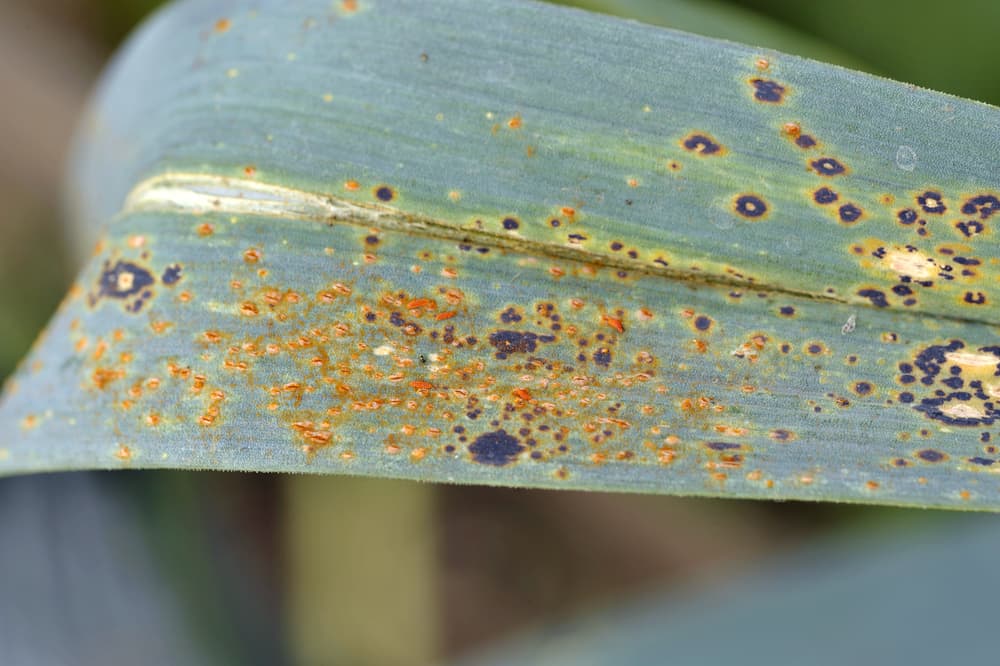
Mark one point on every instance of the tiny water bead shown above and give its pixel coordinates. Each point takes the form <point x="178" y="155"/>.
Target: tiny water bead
<point x="906" y="158"/>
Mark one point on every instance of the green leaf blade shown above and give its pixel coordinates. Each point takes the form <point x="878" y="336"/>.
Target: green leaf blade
<point x="477" y="254"/>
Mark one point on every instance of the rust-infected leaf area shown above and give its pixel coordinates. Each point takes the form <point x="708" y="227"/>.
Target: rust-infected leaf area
<point x="325" y="349"/>
<point x="706" y="277"/>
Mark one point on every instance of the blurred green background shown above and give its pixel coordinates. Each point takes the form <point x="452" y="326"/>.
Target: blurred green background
<point x="273" y="569"/>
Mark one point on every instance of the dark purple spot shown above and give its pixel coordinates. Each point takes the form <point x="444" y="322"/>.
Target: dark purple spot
<point x="787" y="311"/>
<point x="171" y="275"/>
<point x="825" y="195"/>
<point x="749" y="205"/>
<point x="805" y="141"/>
<point x="699" y="143"/>
<point x="932" y="202"/>
<point x="602" y="357"/>
<point x="930" y="455"/>
<point x="953" y="383"/>
<point x="849" y="213"/>
<point x="373" y="240"/>
<point x="827" y="166"/>
<point x="703" y="323"/>
<point x="510" y="316"/>
<point x="385" y="193"/>
<point x="907" y="216"/>
<point x="495" y="448"/>
<point x="510" y="224"/>
<point x="862" y="388"/>
<point x="986" y="462"/>
<point x="984" y="204"/>
<point x="767" y="91"/>
<point x="721" y="446"/>
<point x="906" y="397"/>
<point x="616" y="245"/>
<point x="123" y="280"/>
<point x="970" y="228"/>
<point x="515" y="342"/>
<point x="876" y="297"/>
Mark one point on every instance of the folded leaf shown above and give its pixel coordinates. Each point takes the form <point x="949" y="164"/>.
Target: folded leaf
<point x="523" y="245"/>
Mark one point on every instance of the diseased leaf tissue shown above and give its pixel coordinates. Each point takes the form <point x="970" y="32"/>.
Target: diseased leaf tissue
<point x="523" y="245"/>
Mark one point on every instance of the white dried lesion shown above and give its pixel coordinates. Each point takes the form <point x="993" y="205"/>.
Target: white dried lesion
<point x="911" y="263"/>
<point x="963" y="410"/>
<point x="972" y="359"/>
<point x="124" y="281"/>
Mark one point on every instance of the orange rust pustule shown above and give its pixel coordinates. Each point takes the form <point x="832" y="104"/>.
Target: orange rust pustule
<point x="102" y="377"/>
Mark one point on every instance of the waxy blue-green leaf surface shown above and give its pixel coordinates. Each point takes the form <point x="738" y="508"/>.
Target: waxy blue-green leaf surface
<point x="523" y="245"/>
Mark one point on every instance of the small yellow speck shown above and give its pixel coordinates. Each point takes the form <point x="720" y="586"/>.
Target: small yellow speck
<point x="328" y="97"/>
<point x="647" y="108"/>
<point x="439" y="117"/>
<point x="232" y="72"/>
<point x="4" y="454"/>
<point x="454" y="195"/>
<point x="292" y="57"/>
